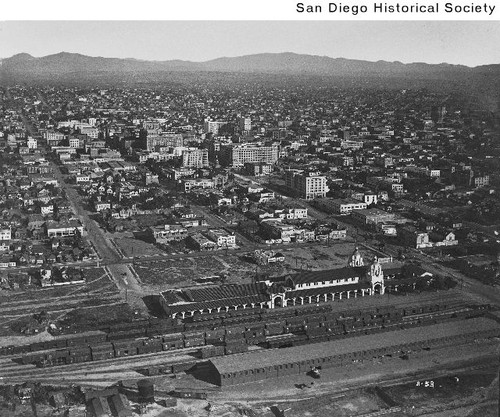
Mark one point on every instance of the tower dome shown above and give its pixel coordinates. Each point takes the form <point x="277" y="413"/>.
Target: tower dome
<point x="356" y="259"/>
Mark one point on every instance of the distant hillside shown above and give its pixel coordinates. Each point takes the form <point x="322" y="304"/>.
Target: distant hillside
<point x="73" y="68"/>
<point x="65" y="63"/>
<point x="323" y="65"/>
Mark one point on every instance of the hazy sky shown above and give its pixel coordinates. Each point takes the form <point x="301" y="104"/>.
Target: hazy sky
<point x="469" y="43"/>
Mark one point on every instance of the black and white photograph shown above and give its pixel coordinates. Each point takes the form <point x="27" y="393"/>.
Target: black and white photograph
<point x="261" y="218"/>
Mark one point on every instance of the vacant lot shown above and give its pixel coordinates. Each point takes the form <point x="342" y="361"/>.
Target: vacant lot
<point x="96" y="279"/>
<point x="238" y="268"/>
<point x="19" y="308"/>
<point x="136" y="248"/>
<point x="436" y="392"/>
<point x="178" y="272"/>
<point x="82" y="319"/>
<point x="359" y="403"/>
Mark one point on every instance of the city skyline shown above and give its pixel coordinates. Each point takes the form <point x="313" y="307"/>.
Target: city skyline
<point x="411" y="41"/>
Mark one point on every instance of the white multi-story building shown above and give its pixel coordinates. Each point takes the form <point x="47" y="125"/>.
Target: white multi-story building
<point x="309" y="185"/>
<point x="238" y="155"/>
<point x="32" y="143"/>
<point x="195" y="158"/>
<point x="373" y="216"/>
<point x="368" y="198"/>
<point x="291" y="213"/>
<point x="61" y="229"/>
<point x="54" y="138"/>
<point x="74" y="143"/>
<point x="222" y="238"/>
<point x="90" y="131"/>
<point x="79" y="178"/>
<point x="190" y="184"/>
<point x="351" y="144"/>
<point x="5" y="234"/>
<point x="341" y="206"/>
<point x="212" y="126"/>
<point x="168" y="233"/>
<point x="245" y="124"/>
<point x="165" y="140"/>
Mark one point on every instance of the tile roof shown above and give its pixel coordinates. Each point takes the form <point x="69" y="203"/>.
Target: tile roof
<point x="176" y="308"/>
<point x="306" y="277"/>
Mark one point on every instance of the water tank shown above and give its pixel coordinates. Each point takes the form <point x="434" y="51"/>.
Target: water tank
<point x="146" y="391"/>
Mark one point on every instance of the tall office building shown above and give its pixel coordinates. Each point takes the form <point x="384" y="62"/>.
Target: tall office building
<point x="195" y="158"/>
<point x="172" y="140"/>
<point x="309" y="185"/>
<point x="238" y="155"/>
<point x="245" y="124"/>
<point x="211" y="126"/>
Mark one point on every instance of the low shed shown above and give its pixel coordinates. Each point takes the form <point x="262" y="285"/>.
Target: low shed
<point x="259" y="365"/>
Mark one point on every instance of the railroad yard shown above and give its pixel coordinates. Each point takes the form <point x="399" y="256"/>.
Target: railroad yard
<point x="175" y="356"/>
<point x="145" y="271"/>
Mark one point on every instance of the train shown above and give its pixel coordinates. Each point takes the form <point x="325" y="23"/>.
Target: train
<point x="225" y="335"/>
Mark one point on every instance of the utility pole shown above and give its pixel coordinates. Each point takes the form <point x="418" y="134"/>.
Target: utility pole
<point x="125" y="280"/>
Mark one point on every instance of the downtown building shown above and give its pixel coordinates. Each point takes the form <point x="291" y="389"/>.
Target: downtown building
<point x="54" y="138"/>
<point x="239" y="155"/>
<point x="245" y="124"/>
<point x="195" y="158"/>
<point x="213" y="126"/>
<point x="168" y="140"/>
<point x="308" y="185"/>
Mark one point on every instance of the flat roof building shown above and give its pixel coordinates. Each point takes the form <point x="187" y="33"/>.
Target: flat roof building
<point x="308" y="185"/>
<point x="373" y="216"/>
<point x="238" y="155"/>
<point x="259" y="365"/>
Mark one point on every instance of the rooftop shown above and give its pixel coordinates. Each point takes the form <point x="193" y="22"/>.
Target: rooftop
<point x="328" y="275"/>
<point x="262" y="359"/>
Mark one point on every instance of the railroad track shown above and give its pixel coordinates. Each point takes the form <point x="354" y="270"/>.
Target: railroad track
<point x="24" y="372"/>
<point x="72" y="299"/>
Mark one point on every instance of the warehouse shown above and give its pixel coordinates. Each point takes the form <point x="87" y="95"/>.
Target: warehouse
<point x="260" y="365"/>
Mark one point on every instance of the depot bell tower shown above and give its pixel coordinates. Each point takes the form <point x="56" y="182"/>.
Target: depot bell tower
<point x="376" y="275"/>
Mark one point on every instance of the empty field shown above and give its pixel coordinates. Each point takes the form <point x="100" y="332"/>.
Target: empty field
<point x="177" y="272"/>
<point x="135" y="248"/>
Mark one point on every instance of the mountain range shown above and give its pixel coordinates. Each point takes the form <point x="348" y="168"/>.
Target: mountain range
<point x="62" y="64"/>
<point x="481" y="83"/>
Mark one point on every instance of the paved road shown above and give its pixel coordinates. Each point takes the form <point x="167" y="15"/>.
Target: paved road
<point x="102" y="245"/>
<point x="95" y="234"/>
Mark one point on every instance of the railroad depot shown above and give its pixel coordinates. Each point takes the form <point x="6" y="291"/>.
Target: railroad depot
<point x="272" y="363"/>
<point x="305" y="287"/>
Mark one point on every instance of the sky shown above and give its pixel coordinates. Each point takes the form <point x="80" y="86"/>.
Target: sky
<point x="469" y="43"/>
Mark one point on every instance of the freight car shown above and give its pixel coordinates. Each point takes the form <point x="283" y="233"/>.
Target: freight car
<point x="190" y="393"/>
<point x="305" y="314"/>
<point x="290" y="331"/>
